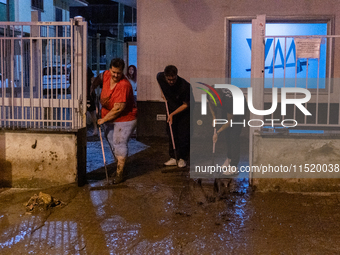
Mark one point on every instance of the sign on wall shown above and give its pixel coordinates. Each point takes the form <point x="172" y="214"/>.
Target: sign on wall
<point x="307" y="48"/>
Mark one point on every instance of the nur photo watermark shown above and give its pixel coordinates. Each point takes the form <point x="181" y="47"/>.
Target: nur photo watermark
<point x="228" y="116"/>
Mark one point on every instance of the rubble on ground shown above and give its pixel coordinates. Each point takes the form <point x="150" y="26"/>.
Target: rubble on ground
<point x="42" y="202"/>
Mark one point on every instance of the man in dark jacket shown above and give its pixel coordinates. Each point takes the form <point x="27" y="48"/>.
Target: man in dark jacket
<point x="232" y="130"/>
<point x="177" y="93"/>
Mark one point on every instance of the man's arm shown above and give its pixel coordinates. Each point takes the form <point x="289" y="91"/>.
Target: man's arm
<point x="211" y="110"/>
<point x="98" y="81"/>
<point x="186" y="100"/>
<point x="224" y="126"/>
<point x="113" y="113"/>
<point x="160" y="79"/>
<point x="178" y="110"/>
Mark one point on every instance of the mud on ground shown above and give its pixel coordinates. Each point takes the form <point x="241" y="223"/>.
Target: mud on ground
<point x="168" y="213"/>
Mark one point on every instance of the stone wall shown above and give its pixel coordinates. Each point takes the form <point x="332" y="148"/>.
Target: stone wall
<point x="42" y="158"/>
<point x="296" y="162"/>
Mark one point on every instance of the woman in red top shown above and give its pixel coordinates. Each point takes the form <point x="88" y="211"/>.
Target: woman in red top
<point x="119" y="111"/>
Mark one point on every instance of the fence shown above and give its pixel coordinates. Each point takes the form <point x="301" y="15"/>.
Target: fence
<point x="43" y="74"/>
<point x="98" y="59"/>
<point x="311" y="72"/>
<point x="304" y="62"/>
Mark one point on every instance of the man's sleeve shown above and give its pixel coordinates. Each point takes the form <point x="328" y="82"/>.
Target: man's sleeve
<point x="160" y="79"/>
<point x="192" y="99"/>
<point x="188" y="92"/>
<point x="229" y="103"/>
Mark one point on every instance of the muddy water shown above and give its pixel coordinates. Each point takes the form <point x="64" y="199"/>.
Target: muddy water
<point x="171" y="214"/>
<point x="168" y="213"/>
<point x="151" y="213"/>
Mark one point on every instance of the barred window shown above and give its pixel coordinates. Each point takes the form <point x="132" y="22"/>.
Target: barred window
<point x="38" y="4"/>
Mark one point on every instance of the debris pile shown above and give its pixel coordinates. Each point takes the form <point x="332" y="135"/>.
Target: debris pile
<point x="42" y="202"/>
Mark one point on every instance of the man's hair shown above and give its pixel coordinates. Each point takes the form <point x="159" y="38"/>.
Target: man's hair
<point x="117" y="63"/>
<point x="170" y="70"/>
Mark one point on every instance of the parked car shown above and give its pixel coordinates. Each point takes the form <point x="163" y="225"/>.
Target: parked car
<point x="56" y="79"/>
<point x="7" y="85"/>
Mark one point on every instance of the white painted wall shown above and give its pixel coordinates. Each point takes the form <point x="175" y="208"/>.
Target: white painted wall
<point x="23" y="10"/>
<point x="49" y="11"/>
<point x="191" y="35"/>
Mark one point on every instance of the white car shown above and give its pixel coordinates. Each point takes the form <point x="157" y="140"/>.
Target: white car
<point x="6" y="83"/>
<point x="56" y="79"/>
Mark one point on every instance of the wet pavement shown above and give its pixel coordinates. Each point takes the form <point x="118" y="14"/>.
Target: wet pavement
<point x="168" y="213"/>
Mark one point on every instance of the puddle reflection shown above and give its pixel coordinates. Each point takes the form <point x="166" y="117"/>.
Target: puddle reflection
<point x="238" y="208"/>
<point x="133" y="226"/>
<point x="60" y="237"/>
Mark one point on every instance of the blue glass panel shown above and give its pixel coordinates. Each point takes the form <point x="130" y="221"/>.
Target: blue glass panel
<point x="241" y="54"/>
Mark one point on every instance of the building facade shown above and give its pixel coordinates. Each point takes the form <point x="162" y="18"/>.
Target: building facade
<point x="49" y="10"/>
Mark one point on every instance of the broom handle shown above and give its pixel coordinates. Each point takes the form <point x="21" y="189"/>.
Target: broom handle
<point x="101" y="142"/>
<point x="171" y="133"/>
<point x="214" y="143"/>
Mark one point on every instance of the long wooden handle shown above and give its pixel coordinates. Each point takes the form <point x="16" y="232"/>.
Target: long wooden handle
<point x="101" y="142"/>
<point x="171" y="133"/>
<point x="214" y="143"/>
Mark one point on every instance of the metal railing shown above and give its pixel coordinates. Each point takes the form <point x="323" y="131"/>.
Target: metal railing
<point x="287" y="69"/>
<point x="324" y="99"/>
<point x="43" y="74"/>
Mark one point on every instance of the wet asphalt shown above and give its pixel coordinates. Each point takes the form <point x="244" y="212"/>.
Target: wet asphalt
<point x="154" y="212"/>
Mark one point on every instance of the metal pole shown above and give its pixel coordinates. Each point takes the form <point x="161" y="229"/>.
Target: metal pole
<point x="257" y="75"/>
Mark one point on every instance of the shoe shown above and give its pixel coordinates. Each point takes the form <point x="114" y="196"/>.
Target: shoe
<point x="120" y="169"/>
<point x="95" y="133"/>
<point x="134" y="134"/>
<point x="170" y="162"/>
<point x="119" y="178"/>
<point x="231" y="171"/>
<point x="226" y="163"/>
<point x="181" y="163"/>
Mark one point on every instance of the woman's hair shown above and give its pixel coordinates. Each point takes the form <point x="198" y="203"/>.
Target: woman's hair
<point x="134" y="75"/>
<point x="117" y="63"/>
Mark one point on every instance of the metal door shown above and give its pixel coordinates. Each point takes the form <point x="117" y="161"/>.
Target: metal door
<point x="43" y="74"/>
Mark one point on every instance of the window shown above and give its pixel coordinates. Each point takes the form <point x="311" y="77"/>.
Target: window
<point x="130" y="26"/>
<point x="38" y="4"/>
<point x="59" y="17"/>
<point x="280" y="52"/>
<point x="132" y="52"/>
